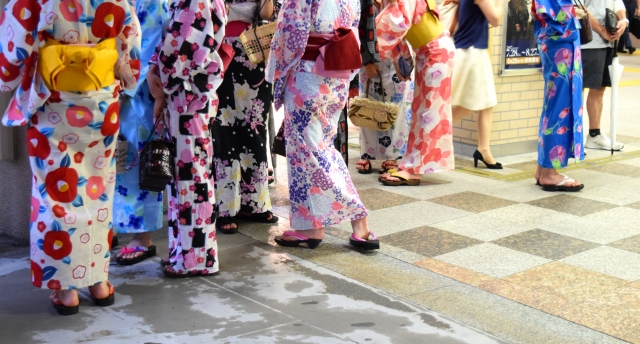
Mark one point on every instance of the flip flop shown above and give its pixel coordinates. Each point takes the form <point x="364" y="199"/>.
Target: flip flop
<point x="61" y="308"/>
<point x="265" y="217"/>
<point x="226" y="220"/>
<point x="106" y="301"/>
<point x="148" y="252"/>
<point x="177" y="275"/>
<point x="365" y="244"/>
<point x="402" y="181"/>
<point x="364" y="170"/>
<point x="561" y="186"/>
<point x="311" y="243"/>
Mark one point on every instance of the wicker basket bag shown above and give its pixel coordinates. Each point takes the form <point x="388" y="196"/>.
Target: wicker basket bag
<point x="369" y="113"/>
<point x="122" y="149"/>
<point x="257" y="42"/>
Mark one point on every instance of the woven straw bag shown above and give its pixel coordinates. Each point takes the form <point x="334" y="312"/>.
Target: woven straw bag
<point x="257" y="42"/>
<point x="122" y="148"/>
<point x="369" y="113"/>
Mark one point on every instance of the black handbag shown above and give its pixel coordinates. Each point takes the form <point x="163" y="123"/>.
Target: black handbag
<point x="586" y="34"/>
<point x="278" y="146"/>
<point x="634" y="27"/>
<point x="611" y="21"/>
<point x="156" y="161"/>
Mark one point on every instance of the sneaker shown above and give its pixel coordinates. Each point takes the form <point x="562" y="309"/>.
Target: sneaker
<point x="602" y="142"/>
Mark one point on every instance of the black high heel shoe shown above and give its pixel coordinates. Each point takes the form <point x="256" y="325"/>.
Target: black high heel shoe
<point x="478" y="156"/>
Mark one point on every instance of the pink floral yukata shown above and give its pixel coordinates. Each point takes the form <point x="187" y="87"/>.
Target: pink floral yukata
<point x="71" y="136"/>
<point x="191" y="71"/>
<point x="320" y="189"/>
<point x="430" y="144"/>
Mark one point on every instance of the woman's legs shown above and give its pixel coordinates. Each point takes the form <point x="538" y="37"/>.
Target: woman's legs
<point x="485" y="119"/>
<point x="139" y="239"/>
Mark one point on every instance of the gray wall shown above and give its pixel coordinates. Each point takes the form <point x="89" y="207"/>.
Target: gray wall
<point x="15" y="180"/>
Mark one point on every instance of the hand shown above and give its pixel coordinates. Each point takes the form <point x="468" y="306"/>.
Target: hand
<point x="518" y="27"/>
<point x="158" y="108"/>
<point x="607" y="36"/>
<point x="622" y="25"/>
<point x="371" y="70"/>
<point x="155" y="83"/>
<point x="398" y="74"/>
<point x="637" y="14"/>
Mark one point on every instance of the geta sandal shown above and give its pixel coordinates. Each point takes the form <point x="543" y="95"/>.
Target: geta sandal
<point x="402" y="180"/>
<point x="562" y="186"/>
<point x="264" y="217"/>
<point x="365" y="244"/>
<point x="173" y="274"/>
<point x="364" y="163"/>
<point x="60" y="307"/>
<point x="311" y="243"/>
<point x="388" y="167"/>
<point x="106" y="301"/>
<point x="147" y="252"/>
<point x="226" y="220"/>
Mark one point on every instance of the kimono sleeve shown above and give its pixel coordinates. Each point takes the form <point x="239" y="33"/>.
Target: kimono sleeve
<point x="129" y="42"/>
<point x="555" y="16"/>
<point x="392" y="25"/>
<point x="19" y="41"/>
<point x="187" y="54"/>
<point x="367" y="30"/>
<point x="289" y="42"/>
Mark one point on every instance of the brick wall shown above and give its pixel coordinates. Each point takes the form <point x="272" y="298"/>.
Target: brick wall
<point x="517" y="115"/>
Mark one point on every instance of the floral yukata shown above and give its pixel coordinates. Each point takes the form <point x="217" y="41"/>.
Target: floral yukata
<point x="239" y="131"/>
<point x="320" y="189"/>
<point x="71" y="136"/>
<point x="135" y="210"/>
<point x="191" y="71"/>
<point x="561" y="133"/>
<point x="430" y="142"/>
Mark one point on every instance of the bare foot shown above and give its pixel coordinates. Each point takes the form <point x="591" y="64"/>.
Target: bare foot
<point x="100" y="290"/>
<point x="68" y="298"/>
<point x="550" y="176"/>
<point x="316" y="233"/>
<point x="360" y="228"/>
<point x="401" y="173"/>
<point x="363" y="165"/>
<point x="487" y="156"/>
<point x="139" y="239"/>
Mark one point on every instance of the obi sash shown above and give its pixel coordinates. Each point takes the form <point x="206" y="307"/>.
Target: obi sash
<point x="235" y="28"/>
<point x="78" y="68"/>
<point x="337" y="55"/>
<point x="428" y="29"/>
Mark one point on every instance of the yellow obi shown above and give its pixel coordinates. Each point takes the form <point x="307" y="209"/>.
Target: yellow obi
<point x="77" y="68"/>
<point x="428" y="29"/>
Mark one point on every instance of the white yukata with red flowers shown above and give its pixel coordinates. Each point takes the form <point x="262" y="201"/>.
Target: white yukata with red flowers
<point x="71" y="136"/>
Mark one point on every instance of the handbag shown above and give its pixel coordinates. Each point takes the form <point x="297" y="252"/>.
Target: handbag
<point x="122" y="149"/>
<point x="449" y="15"/>
<point x="278" y="146"/>
<point x="256" y="41"/>
<point x="157" y="161"/>
<point x="634" y="27"/>
<point x="610" y="20"/>
<point x="369" y="113"/>
<point x="586" y="34"/>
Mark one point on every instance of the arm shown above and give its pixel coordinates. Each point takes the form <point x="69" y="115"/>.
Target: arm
<point x="367" y="30"/>
<point x="392" y="25"/>
<point x="492" y="10"/>
<point x="266" y="11"/>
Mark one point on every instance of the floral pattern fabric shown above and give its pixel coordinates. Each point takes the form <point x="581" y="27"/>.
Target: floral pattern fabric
<point x="71" y="136"/>
<point x="389" y="144"/>
<point x="561" y="133"/>
<point x="430" y="142"/>
<point x="191" y="71"/>
<point x="240" y="137"/>
<point x="136" y="210"/>
<point x="320" y="189"/>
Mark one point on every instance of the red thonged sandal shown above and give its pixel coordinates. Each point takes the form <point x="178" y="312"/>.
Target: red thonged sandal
<point x="107" y="301"/>
<point x="60" y="307"/>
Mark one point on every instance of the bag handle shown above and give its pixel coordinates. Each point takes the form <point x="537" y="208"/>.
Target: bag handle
<point x="155" y="126"/>
<point x="382" y="87"/>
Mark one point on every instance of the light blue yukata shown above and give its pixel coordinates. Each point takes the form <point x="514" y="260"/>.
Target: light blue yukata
<point x="135" y="210"/>
<point x="561" y="132"/>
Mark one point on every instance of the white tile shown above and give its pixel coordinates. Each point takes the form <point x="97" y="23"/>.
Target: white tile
<point x="622" y="193"/>
<point x="608" y="260"/>
<point x="492" y="260"/>
<point x="528" y="215"/>
<point x="618" y="217"/>
<point x="483" y="227"/>
<point x="592" y="179"/>
<point x="521" y="191"/>
<point x="591" y="228"/>
<point x="407" y="216"/>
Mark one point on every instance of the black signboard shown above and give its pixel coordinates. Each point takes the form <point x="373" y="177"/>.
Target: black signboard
<point x="519" y="47"/>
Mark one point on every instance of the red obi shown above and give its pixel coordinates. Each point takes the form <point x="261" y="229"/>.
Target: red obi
<point x="336" y="55"/>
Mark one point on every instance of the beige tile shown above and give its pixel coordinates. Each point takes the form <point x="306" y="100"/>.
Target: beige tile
<point x="631" y="244"/>
<point x="618" y="169"/>
<point x="472" y="202"/>
<point x="455" y="272"/>
<point x="545" y="244"/>
<point x="429" y="241"/>
<point x="572" y="205"/>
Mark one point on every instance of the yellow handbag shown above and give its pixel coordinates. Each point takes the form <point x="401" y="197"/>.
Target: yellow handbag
<point x="77" y="68"/>
<point x="428" y="29"/>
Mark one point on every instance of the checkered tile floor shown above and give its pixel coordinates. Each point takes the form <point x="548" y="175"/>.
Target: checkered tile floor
<point x="575" y="256"/>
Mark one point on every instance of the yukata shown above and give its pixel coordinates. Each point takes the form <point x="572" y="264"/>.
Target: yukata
<point x="561" y="133"/>
<point x="239" y="130"/>
<point x="136" y="210"/>
<point x="321" y="192"/>
<point x="191" y="71"/>
<point x="430" y="142"/>
<point x="71" y="136"/>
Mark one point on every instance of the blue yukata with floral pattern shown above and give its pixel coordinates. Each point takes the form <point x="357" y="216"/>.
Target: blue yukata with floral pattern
<point x="135" y="210"/>
<point x="561" y="133"/>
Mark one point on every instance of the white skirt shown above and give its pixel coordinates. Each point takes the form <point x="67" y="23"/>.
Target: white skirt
<point x="472" y="81"/>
